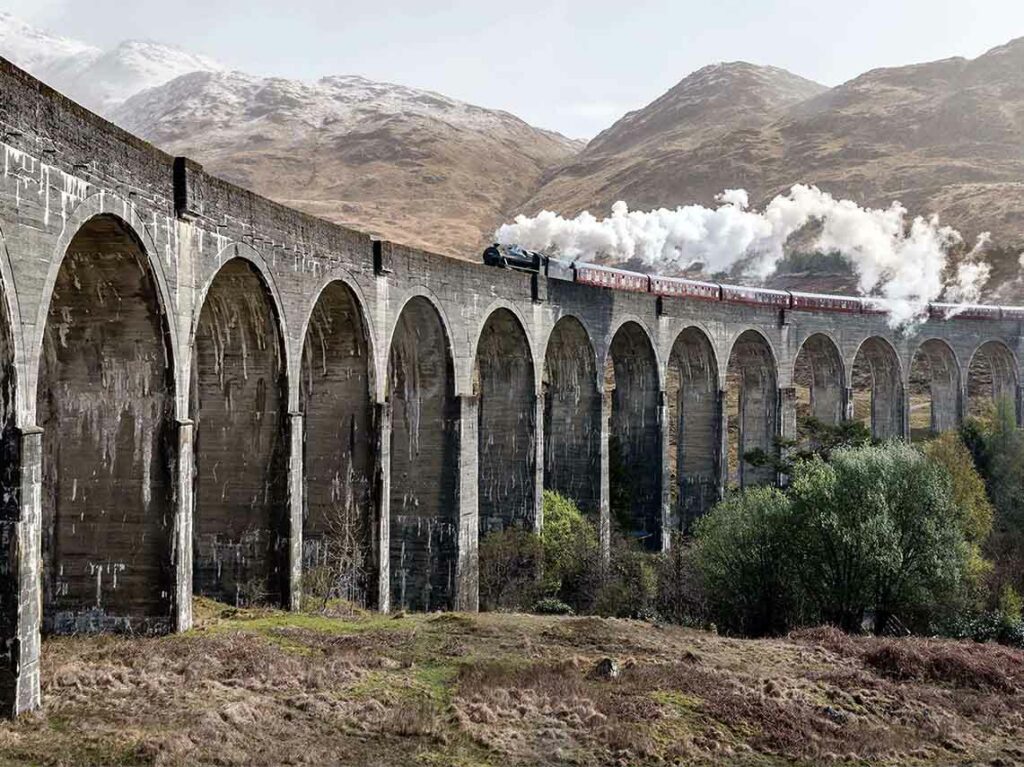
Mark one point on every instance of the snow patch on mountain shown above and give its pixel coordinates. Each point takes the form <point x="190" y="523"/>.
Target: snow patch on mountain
<point x="100" y="80"/>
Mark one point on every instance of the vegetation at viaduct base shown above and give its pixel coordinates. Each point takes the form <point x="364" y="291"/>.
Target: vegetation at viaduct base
<point x="863" y="535"/>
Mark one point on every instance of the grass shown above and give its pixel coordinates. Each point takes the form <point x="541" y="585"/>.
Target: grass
<point x="265" y="687"/>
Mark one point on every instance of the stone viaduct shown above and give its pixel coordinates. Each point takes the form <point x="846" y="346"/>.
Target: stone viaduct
<point x="202" y="392"/>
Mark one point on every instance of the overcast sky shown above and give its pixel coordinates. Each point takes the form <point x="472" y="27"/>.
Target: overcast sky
<point x="572" y="65"/>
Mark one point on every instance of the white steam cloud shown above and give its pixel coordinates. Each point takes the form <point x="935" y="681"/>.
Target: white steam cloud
<point x="905" y="266"/>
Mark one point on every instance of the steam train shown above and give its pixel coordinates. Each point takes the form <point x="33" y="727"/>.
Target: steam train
<point x="521" y="259"/>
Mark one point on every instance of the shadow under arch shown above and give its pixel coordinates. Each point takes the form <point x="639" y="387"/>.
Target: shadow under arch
<point x="423" y="447"/>
<point x="992" y="378"/>
<point x="503" y="382"/>
<point x="819" y="378"/>
<point x="572" y="416"/>
<point x="98" y="205"/>
<point x="935" y="389"/>
<point x="876" y="381"/>
<point x="238" y="401"/>
<point x="634" y="435"/>
<point x="752" y="408"/>
<point x="340" y="526"/>
<point x="694" y="425"/>
<point x="105" y="401"/>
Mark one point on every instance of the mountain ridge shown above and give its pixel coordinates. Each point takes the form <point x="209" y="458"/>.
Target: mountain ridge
<point x="414" y="165"/>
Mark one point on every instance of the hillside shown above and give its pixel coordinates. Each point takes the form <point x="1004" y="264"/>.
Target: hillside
<point x="402" y="163"/>
<point x="944" y="137"/>
<point x="645" y="158"/>
<point x="407" y="164"/>
<point x="269" y="688"/>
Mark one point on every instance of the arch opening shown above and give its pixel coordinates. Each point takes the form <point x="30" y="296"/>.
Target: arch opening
<point x="238" y="402"/>
<point x="340" y="534"/>
<point x="694" y="424"/>
<point x="752" y="409"/>
<point x="819" y="382"/>
<point x="507" y="425"/>
<point x="424" y="461"/>
<point x="878" y="389"/>
<point x="991" y="378"/>
<point x="934" y="390"/>
<point x="634" y="436"/>
<point x="105" y="398"/>
<point x="572" y="416"/>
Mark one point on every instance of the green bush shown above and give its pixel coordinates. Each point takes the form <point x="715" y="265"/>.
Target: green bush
<point x="552" y="606"/>
<point x="510" y="567"/>
<point x="629" y="587"/>
<point x="680" y="596"/>
<point x="877" y="528"/>
<point x="571" y="553"/>
<point x="744" y="551"/>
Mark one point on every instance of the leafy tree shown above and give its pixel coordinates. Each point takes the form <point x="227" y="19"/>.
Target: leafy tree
<point x="510" y="567"/>
<point x="878" y="528"/>
<point x="571" y="552"/>
<point x="976" y="514"/>
<point x="819" y="439"/>
<point x="998" y="449"/>
<point x="949" y="451"/>
<point x="744" y="550"/>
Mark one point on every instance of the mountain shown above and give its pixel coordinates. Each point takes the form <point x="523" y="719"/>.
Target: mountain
<point x="407" y="164"/>
<point x="98" y="79"/>
<point x="402" y="163"/>
<point x="643" y="158"/>
<point x="944" y="137"/>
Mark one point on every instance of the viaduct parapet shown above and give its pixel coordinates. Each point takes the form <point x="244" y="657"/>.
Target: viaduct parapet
<point x="205" y="392"/>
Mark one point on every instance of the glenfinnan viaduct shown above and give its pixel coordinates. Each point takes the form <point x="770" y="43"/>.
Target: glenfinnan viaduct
<point x="201" y="389"/>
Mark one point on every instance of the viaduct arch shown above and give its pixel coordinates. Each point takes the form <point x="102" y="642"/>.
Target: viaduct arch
<point x="290" y="405"/>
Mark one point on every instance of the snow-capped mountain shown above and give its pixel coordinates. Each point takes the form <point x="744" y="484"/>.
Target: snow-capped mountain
<point x="400" y="162"/>
<point x="403" y="163"/>
<point x="98" y="79"/>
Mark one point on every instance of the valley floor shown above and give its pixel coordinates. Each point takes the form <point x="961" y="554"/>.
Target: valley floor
<point x="266" y="688"/>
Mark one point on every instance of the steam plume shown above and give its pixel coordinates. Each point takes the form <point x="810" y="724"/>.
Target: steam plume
<point x="905" y="266"/>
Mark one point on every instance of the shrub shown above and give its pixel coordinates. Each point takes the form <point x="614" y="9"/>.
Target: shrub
<point x="680" y="597"/>
<point x="745" y="556"/>
<point x="629" y="586"/>
<point x="510" y="567"/>
<point x="552" y="606"/>
<point x="949" y="451"/>
<point x="877" y="528"/>
<point x="571" y="553"/>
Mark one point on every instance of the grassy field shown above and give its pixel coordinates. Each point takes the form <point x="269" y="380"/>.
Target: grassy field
<point x="267" y="687"/>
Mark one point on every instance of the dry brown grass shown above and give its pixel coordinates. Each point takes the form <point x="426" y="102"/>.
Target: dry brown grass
<point x="263" y="687"/>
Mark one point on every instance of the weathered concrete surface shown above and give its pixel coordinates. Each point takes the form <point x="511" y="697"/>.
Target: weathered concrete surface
<point x="105" y="404"/>
<point x="424" y="461"/>
<point x="339" y="523"/>
<point x="240" y="528"/>
<point x="275" y="401"/>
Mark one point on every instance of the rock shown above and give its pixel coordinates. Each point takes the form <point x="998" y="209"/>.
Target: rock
<point x="607" y="668"/>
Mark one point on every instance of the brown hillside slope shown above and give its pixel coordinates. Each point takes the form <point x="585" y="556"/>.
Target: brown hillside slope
<point x="271" y="688"/>
<point x="402" y="163"/>
<point x="944" y="137"/>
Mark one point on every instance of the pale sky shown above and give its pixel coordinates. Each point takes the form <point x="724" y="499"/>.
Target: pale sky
<point x="564" y="64"/>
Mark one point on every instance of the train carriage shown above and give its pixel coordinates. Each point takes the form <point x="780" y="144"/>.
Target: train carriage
<point x="678" y="287"/>
<point x="820" y="302"/>
<point x="939" y="311"/>
<point x="607" y="277"/>
<point x="779" y="299"/>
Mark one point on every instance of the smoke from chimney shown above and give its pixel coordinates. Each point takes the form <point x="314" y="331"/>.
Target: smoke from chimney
<point x="905" y="266"/>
